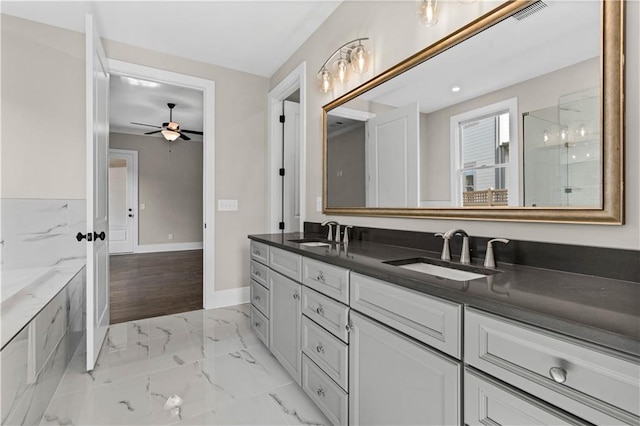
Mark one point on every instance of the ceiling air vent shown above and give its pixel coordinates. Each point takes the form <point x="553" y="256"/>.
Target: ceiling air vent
<point x="529" y="10"/>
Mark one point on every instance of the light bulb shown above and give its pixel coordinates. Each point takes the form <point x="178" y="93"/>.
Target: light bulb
<point x="325" y="82"/>
<point x="359" y="58"/>
<point x="341" y="70"/>
<point x="545" y="136"/>
<point x="563" y="134"/>
<point x="427" y="11"/>
<point x="583" y="131"/>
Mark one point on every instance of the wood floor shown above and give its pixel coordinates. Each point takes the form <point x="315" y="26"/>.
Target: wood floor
<point x="153" y="284"/>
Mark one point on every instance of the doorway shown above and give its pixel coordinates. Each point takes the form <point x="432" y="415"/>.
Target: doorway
<point x="169" y="254"/>
<point x="123" y="201"/>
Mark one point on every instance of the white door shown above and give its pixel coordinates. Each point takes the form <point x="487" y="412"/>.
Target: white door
<point x="292" y="166"/>
<point x="392" y="158"/>
<point x="97" y="88"/>
<point x="394" y="380"/>
<point x="122" y="200"/>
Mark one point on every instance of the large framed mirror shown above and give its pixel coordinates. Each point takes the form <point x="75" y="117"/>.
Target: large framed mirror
<point x="517" y="116"/>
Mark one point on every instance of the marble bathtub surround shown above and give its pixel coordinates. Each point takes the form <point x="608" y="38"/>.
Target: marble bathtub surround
<point x="611" y="263"/>
<point x="33" y="362"/>
<point x="199" y="367"/>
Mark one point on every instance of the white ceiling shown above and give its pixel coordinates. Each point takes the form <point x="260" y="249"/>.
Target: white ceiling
<point x="251" y="36"/>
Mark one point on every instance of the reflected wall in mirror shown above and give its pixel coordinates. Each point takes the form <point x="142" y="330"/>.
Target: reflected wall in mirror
<point x="504" y="119"/>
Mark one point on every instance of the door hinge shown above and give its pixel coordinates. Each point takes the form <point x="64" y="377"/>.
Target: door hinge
<point x="281" y="171"/>
<point x="281" y="225"/>
<point x="282" y="118"/>
<point x="205" y="226"/>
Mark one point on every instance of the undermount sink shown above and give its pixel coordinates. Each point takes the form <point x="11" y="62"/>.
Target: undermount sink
<point x="312" y="242"/>
<point x="442" y="269"/>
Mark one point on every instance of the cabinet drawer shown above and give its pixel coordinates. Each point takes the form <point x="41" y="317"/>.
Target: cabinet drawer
<point x="260" y="298"/>
<point x="488" y="402"/>
<point x="328" y="396"/>
<point x="330" y="280"/>
<point x="595" y="385"/>
<point x="433" y="321"/>
<point x="327" y="351"/>
<point x="260" y="252"/>
<point x="259" y="273"/>
<point x="260" y="325"/>
<point x="330" y="314"/>
<point x="285" y="262"/>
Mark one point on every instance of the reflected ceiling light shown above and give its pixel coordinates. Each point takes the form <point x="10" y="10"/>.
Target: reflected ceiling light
<point x="352" y="56"/>
<point x="137" y="82"/>
<point x="427" y="12"/>
<point x="170" y="135"/>
<point x="455" y="89"/>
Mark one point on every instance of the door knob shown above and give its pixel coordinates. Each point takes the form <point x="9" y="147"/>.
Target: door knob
<point x="100" y="236"/>
<point x="80" y="236"/>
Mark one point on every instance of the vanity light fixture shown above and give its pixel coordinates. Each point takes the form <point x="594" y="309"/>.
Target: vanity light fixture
<point x="353" y="56"/>
<point x="427" y="12"/>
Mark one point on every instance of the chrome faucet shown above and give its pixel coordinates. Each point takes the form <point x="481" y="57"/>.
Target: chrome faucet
<point x="446" y="253"/>
<point x="330" y="224"/>
<point x="489" y="259"/>
<point x="465" y="253"/>
<point x="345" y="236"/>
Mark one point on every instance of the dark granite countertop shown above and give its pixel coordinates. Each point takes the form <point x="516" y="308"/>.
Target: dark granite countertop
<point x="599" y="310"/>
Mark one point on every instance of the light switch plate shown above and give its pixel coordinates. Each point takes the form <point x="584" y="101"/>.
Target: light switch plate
<point x="318" y="204"/>
<point x="227" y="205"/>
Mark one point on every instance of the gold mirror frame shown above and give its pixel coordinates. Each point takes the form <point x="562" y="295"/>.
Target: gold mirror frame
<point x="612" y="120"/>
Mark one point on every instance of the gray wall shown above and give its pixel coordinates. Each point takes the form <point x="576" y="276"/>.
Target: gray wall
<point x="170" y="186"/>
<point x="346" y="170"/>
<point x="395" y="36"/>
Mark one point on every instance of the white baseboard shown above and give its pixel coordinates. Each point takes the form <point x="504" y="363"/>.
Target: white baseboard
<point x="155" y="248"/>
<point x="231" y="297"/>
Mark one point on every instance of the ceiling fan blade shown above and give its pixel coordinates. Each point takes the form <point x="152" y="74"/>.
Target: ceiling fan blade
<point x="151" y="133"/>
<point x="185" y="137"/>
<point x="148" y="125"/>
<point x="195" y="132"/>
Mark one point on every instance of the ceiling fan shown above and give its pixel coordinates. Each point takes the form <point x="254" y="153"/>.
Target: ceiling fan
<point x="171" y="130"/>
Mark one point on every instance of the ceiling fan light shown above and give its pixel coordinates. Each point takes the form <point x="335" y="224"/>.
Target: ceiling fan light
<point x="173" y="126"/>
<point x="170" y="135"/>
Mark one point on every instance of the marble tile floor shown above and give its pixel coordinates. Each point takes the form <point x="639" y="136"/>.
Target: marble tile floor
<point x="203" y="367"/>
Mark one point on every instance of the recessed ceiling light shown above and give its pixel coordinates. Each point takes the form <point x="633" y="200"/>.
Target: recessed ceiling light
<point x="455" y="89"/>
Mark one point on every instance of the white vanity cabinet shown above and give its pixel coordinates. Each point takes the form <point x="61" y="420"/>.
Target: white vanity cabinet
<point x="394" y="380"/>
<point x="594" y="384"/>
<point x="284" y="322"/>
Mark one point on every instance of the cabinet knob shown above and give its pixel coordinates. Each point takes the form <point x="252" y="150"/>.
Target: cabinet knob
<point x="257" y="324"/>
<point x="296" y="296"/>
<point x="320" y="277"/>
<point x="256" y="298"/>
<point x="319" y="310"/>
<point x="257" y="274"/>
<point x="320" y="392"/>
<point x="319" y="348"/>
<point x="558" y="374"/>
<point x="348" y="327"/>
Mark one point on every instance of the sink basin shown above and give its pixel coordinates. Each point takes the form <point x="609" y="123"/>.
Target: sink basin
<point x="312" y="242"/>
<point x="443" y="269"/>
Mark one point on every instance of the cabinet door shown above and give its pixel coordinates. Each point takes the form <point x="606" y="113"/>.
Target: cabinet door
<point x="394" y="380"/>
<point x="284" y="323"/>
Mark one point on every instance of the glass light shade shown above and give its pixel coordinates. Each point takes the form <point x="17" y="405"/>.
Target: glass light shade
<point x="427" y="12"/>
<point x="341" y="70"/>
<point x="170" y="135"/>
<point x="325" y="81"/>
<point x="359" y="58"/>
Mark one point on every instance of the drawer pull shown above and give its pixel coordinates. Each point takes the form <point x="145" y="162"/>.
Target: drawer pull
<point x="320" y="392"/>
<point x="256" y="252"/>
<point x="296" y="296"/>
<point x="348" y="327"/>
<point x="256" y="298"/>
<point x="319" y="348"/>
<point x="257" y="274"/>
<point x="558" y="374"/>
<point x="319" y="310"/>
<point x="257" y="324"/>
<point x="320" y="277"/>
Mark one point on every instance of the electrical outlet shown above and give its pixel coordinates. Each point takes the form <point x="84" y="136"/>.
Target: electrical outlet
<point x="227" y="205"/>
<point x="318" y="204"/>
<point x="170" y="236"/>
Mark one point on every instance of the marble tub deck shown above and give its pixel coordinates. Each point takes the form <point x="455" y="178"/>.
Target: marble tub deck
<point x="210" y="359"/>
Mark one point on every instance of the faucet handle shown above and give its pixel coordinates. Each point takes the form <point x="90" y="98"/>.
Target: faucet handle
<point x="345" y="236"/>
<point x="489" y="259"/>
